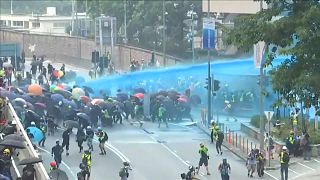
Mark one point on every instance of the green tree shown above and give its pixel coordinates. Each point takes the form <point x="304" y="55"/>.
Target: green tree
<point x="294" y="27"/>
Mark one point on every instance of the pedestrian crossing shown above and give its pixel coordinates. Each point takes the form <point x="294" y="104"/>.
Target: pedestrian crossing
<point x="297" y="170"/>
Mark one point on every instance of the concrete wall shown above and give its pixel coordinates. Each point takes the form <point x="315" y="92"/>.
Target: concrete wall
<point x="77" y="51"/>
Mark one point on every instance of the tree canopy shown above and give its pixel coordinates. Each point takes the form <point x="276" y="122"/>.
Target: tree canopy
<point x="294" y="27"/>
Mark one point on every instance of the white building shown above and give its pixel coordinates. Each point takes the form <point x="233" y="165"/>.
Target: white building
<point x="49" y="23"/>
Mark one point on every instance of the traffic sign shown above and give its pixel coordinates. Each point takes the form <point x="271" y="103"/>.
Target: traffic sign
<point x="259" y="50"/>
<point x="208" y="36"/>
<point x="269" y="115"/>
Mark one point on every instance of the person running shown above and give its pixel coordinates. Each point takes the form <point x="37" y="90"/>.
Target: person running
<point x="56" y="152"/>
<point x="203" y="151"/>
<point x="89" y="137"/>
<point x="219" y="136"/>
<point x="162" y="115"/>
<point x="103" y="137"/>
<point x="66" y="140"/>
<point x="284" y="163"/>
<point x="124" y="171"/>
<point x="86" y="163"/>
<point x="224" y="169"/>
<point x="81" y="136"/>
<point x="251" y="163"/>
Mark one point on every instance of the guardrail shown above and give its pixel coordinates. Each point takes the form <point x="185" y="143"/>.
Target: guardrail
<point x="29" y="151"/>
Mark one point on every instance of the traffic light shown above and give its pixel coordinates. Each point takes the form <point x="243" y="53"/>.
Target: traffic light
<point x="208" y="82"/>
<point x="216" y="86"/>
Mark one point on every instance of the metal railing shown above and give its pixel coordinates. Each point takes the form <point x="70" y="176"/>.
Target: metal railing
<point x="41" y="172"/>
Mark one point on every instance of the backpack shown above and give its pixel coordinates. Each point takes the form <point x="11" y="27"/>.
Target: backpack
<point x="286" y="157"/>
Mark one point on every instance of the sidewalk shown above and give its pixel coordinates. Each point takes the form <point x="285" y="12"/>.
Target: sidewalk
<point x="240" y="144"/>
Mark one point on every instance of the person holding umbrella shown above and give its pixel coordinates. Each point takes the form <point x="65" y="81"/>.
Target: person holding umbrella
<point x="56" y="152"/>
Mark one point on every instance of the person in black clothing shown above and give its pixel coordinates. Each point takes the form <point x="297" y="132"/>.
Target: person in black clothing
<point x="29" y="172"/>
<point x="56" y="153"/>
<point x="220" y="137"/>
<point x="66" y="140"/>
<point x="81" y="136"/>
<point x="89" y="137"/>
<point x="44" y="71"/>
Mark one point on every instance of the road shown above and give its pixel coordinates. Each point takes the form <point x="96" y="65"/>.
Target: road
<point x="157" y="153"/>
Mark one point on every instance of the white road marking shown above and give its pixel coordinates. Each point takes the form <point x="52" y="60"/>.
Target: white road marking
<point x="294" y="171"/>
<point x="316" y="160"/>
<point x="295" y="177"/>
<point x="63" y="163"/>
<point x="271" y="175"/>
<point x="306" y="166"/>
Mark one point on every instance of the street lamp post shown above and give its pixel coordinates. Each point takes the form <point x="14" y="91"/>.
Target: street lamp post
<point x="164" y="32"/>
<point x="125" y="21"/>
<point x="209" y="76"/>
<point x="192" y="31"/>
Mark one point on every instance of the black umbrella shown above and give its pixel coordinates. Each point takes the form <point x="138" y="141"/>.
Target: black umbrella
<point x="88" y="89"/>
<point x="32" y="160"/>
<point x="139" y="90"/>
<point x="13" y="143"/>
<point x="14" y="137"/>
<point x="195" y="99"/>
<point x="83" y="116"/>
<point x="64" y="93"/>
<point x="71" y="124"/>
<point x="58" y="174"/>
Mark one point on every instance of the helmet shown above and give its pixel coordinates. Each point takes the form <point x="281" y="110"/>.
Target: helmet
<point x="191" y="168"/>
<point x="88" y="127"/>
<point x="224" y="160"/>
<point x="6" y="151"/>
<point x="99" y="129"/>
<point x="291" y="132"/>
<point x="53" y="164"/>
<point x="201" y="145"/>
<point x="57" y="140"/>
<point x="33" y="123"/>
<point x="284" y="148"/>
<point x="86" y="151"/>
<point x="126" y="164"/>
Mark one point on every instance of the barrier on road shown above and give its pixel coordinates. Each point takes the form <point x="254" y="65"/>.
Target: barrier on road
<point x="29" y="151"/>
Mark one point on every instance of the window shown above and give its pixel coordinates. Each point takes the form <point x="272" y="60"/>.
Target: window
<point x="2" y="22"/>
<point x="17" y="23"/>
<point x="35" y="25"/>
<point x="59" y="24"/>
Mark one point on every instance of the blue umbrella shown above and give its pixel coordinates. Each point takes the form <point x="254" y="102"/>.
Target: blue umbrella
<point x="9" y="95"/>
<point x="122" y="97"/>
<point x="56" y="98"/>
<point x="27" y="98"/>
<point x="139" y="90"/>
<point x="36" y="132"/>
<point x="71" y="103"/>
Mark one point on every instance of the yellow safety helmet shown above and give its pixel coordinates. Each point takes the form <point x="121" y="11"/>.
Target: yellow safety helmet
<point x="6" y="151"/>
<point x="291" y="132"/>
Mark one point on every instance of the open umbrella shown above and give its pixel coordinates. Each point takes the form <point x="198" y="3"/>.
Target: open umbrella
<point x="85" y="99"/>
<point x="15" y="90"/>
<point x="56" y="97"/>
<point x="182" y="99"/>
<point x="35" y="89"/>
<point x="71" y="124"/>
<point x="19" y="102"/>
<point x="84" y="116"/>
<point x="195" y="99"/>
<point x="40" y="105"/>
<point x="57" y="73"/>
<point x="70" y="104"/>
<point x="13" y="143"/>
<point x="122" y="96"/>
<point x="9" y="95"/>
<point x="31" y="160"/>
<point x="30" y="106"/>
<point x="27" y="98"/>
<point x="58" y="174"/>
<point x="7" y="65"/>
<point x="139" y="95"/>
<point x="77" y="93"/>
<point x="96" y="101"/>
<point x="63" y="92"/>
<point x="36" y="132"/>
<point x="14" y="137"/>
<point x="88" y="89"/>
<point x="139" y="90"/>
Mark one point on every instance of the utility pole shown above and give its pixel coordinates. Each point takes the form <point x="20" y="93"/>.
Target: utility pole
<point x="125" y="22"/>
<point x="11" y="7"/>
<point x="209" y="74"/>
<point x="261" y="100"/>
<point x="192" y="31"/>
<point x="72" y="22"/>
<point x="164" y="32"/>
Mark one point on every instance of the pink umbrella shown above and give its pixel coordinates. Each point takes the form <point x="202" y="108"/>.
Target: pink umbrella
<point x="139" y="95"/>
<point x="182" y="99"/>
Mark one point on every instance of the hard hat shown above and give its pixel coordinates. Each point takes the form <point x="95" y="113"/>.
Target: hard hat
<point x="201" y="144"/>
<point x="88" y="127"/>
<point x="86" y="151"/>
<point x="191" y="168"/>
<point x="33" y="123"/>
<point x="53" y="164"/>
<point x="6" y="151"/>
<point x="99" y="129"/>
<point x="291" y="132"/>
<point x="284" y="148"/>
<point x="126" y="164"/>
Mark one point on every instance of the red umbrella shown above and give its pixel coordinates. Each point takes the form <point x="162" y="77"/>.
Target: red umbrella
<point x="97" y="101"/>
<point x="139" y="95"/>
<point x="182" y="99"/>
<point x="85" y="99"/>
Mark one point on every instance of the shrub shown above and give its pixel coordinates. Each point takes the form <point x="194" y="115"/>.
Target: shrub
<point x="255" y="120"/>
